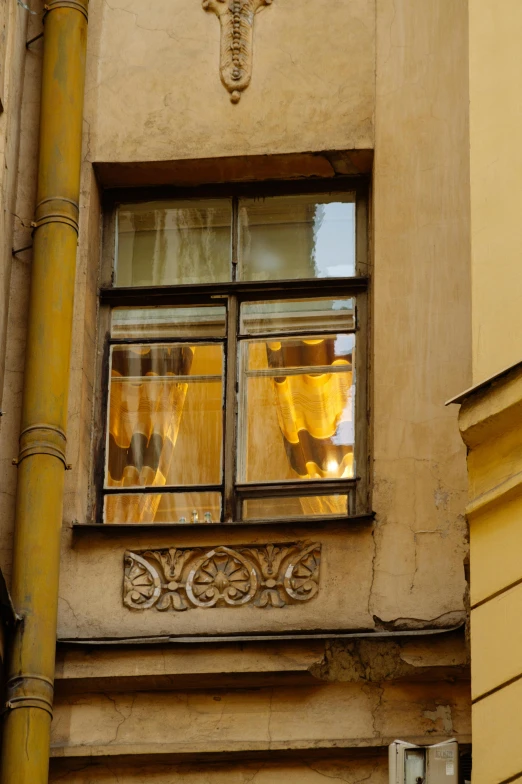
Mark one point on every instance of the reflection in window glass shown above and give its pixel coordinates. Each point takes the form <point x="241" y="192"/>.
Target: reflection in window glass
<point x="184" y="508"/>
<point x="165" y="418"/>
<point x="164" y="322"/>
<point x="295" y="315"/>
<point x="297" y="409"/>
<point x="289" y="237"/>
<point x="170" y="242"/>
<point x="289" y="508"/>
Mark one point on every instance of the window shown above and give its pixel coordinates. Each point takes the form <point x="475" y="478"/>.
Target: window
<point x="236" y="356"/>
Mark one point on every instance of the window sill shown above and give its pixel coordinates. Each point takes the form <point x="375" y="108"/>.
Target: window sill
<point x="353" y="520"/>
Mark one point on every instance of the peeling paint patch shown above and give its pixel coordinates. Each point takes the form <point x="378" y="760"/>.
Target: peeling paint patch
<point x="442" y="712"/>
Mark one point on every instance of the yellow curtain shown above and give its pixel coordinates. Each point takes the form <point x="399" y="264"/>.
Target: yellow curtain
<point x="144" y="420"/>
<point x="310" y="407"/>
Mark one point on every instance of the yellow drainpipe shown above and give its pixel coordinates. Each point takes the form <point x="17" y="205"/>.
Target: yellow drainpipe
<point x="41" y="460"/>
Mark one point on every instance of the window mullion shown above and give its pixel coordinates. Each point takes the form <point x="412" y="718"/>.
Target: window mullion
<point x="230" y="412"/>
<point x="235" y="238"/>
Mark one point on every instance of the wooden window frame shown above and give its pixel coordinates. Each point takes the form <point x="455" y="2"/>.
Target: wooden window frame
<point x="232" y="294"/>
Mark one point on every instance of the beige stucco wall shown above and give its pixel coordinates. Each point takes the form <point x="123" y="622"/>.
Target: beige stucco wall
<point x="496" y="184"/>
<point x="13" y="31"/>
<point x="331" y="716"/>
<point x="154" y="91"/>
<point x="257" y="700"/>
<point x="18" y="150"/>
<point x="421" y="307"/>
<point x="92" y="584"/>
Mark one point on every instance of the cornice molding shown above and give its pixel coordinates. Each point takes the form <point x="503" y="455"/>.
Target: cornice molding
<point x="506" y="491"/>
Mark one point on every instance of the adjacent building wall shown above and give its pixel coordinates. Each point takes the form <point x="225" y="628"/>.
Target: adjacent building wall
<point x="491" y="413"/>
<point x="490" y="421"/>
<point x="496" y="184"/>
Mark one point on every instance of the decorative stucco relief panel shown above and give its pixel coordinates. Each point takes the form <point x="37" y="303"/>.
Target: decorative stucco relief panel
<point x="236" y="18"/>
<point x="274" y="575"/>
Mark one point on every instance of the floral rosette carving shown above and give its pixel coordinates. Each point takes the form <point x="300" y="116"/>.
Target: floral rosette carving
<point x="274" y="575"/>
<point x="302" y="576"/>
<point x="141" y="584"/>
<point x="222" y="575"/>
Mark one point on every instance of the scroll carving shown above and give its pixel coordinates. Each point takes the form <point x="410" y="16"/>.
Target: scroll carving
<point x="274" y="575"/>
<point x="236" y="18"/>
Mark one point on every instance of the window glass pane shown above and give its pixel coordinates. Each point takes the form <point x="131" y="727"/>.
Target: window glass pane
<point x="186" y="508"/>
<point x="297" y="408"/>
<point x="297" y="315"/>
<point x="165" y="415"/>
<point x="169" y="242"/>
<point x="286" y="237"/>
<point x="158" y="322"/>
<point x="305" y="506"/>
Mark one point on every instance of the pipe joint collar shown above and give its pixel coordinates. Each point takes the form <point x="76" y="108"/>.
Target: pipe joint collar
<point x="78" y="5"/>
<point x="41" y="439"/>
<point x="56" y="209"/>
<point x="30" y="691"/>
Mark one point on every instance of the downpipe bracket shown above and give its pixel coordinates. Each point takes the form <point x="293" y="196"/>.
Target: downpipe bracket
<point x="42" y="439"/>
<point x="78" y="5"/>
<point x="29" y="691"/>
<point x="56" y="209"/>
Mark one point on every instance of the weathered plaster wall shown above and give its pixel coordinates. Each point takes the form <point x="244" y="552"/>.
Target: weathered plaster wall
<point x="19" y="124"/>
<point x="13" y="31"/>
<point x="334" y="715"/>
<point x="496" y="184"/>
<point x="82" y="669"/>
<point x="91" y="585"/>
<point x="421" y="307"/>
<point x="154" y="92"/>
<point x="159" y="702"/>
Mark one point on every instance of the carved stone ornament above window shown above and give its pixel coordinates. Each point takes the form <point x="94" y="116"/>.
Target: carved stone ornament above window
<point x="274" y="575"/>
<point x="236" y="18"/>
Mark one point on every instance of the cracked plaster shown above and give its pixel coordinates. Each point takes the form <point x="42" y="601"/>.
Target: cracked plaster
<point x="328" y="715"/>
<point x="154" y="90"/>
<point x="387" y="659"/>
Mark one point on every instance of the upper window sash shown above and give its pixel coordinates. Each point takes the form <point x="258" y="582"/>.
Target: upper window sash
<point x="187" y="242"/>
